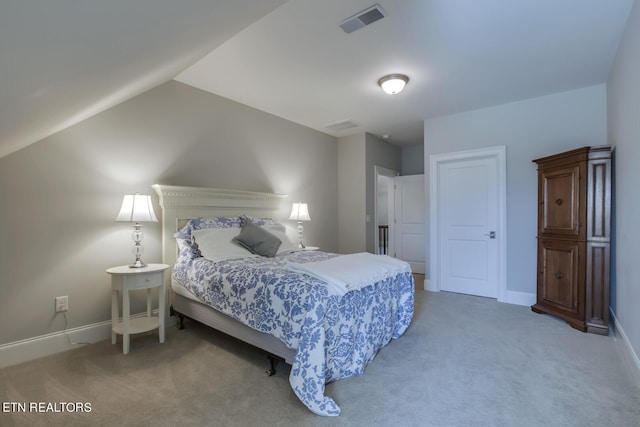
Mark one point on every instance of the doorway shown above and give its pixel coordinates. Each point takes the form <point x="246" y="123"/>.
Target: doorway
<point x="467" y="197"/>
<point x="383" y="212"/>
<point x="399" y="218"/>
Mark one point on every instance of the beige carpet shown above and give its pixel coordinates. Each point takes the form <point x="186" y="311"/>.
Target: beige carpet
<point x="465" y="361"/>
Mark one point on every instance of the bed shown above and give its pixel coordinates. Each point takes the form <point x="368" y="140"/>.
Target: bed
<point x="324" y="331"/>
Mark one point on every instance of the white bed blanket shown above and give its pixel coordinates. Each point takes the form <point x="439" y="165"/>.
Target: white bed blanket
<point x="349" y="272"/>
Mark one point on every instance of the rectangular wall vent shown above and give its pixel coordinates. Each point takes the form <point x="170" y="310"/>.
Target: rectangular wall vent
<point x="343" y="125"/>
<point x="361" y="19"/>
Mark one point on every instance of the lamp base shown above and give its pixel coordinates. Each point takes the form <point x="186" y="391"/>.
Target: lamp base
<point x="137" y="249"/>
<point x="138" y="264"/>
<point x="300" y="228"/>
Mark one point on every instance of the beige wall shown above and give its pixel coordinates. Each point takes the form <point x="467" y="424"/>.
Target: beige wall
<point x="60" y="196"/>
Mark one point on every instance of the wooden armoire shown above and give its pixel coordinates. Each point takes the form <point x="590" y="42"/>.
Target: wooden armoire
<point x="574" y="231"/>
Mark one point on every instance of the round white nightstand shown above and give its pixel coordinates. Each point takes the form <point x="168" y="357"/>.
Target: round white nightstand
<point x="125" y="279"/>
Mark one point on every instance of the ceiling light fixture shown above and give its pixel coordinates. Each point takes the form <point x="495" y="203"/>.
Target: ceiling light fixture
<point x="393" y="83"/>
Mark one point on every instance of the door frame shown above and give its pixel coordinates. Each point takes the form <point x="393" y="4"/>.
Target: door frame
<point x="390" y="173"/>
<point x="397" y="211"/>
<point x="435" y="162"/>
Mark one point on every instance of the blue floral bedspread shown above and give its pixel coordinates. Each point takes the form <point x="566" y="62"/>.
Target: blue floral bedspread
<point x="334" y="337"/>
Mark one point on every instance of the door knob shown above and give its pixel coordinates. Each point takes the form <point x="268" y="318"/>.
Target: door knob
<point x="491" y="235"/>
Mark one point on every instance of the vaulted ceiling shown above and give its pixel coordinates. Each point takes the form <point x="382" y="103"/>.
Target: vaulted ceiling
<point x="63" y="61"/>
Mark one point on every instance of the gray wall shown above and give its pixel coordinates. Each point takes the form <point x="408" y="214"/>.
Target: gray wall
<point x="623" y="102"/>
<point x="60" y="196"/>
<point x="413" y="160"/>
<point x="357" y="156"/>
<point x="529" y="129"/>
<point x="351" y="194"/>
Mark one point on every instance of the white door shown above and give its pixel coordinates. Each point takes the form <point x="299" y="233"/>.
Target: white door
<point x="469" y="225"/>
<point x="409" y="224"/>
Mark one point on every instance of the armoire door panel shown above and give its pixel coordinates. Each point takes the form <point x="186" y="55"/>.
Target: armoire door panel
<point x="597" y="285"/>
<point x="599" y="200"/>
<point x="560" y="276"/>
<point x="560" y="202"/>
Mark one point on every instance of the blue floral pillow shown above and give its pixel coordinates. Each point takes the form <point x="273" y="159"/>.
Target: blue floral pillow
<point x="261" y="222"/>
<point x="184" y="236"/>
<point x="187" y="244"/>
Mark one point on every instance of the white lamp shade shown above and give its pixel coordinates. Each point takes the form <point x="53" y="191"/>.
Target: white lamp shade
<point x="300" y="212"/>
<point x="137" y="208"/>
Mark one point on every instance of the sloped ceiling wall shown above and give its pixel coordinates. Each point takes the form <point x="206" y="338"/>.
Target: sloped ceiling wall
<point x="63" y="61"/>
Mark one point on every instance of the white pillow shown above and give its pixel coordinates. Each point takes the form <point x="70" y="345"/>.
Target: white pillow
<point x="287" y="245"/>
<point x="216" y="244"/>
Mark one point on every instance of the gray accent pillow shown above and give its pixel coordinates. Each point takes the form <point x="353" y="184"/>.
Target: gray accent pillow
<point x="257" y="240"/>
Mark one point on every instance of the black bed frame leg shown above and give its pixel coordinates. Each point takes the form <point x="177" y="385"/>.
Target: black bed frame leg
<point x="181" y="318"/>
<point x="172" y="312"/>
<point x="273" y="361"/>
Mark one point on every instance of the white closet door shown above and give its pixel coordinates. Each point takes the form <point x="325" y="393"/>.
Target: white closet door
<point x="468" y="203"/>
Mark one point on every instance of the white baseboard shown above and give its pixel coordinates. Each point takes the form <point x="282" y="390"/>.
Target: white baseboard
<point x="624" y="346"/>
<point x="513" y="297"/>
<point x="57" y="342"/>
<point x="429" y="287"/>
<point x="45" y="345"/>
<point x="520" y="298"/>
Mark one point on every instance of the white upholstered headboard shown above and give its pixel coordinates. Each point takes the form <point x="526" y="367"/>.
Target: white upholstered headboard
<point x="180" y="204"/>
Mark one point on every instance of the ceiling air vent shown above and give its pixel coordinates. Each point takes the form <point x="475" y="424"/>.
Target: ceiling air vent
<point x="361" y="19"/>
<point x="344" y="125"/>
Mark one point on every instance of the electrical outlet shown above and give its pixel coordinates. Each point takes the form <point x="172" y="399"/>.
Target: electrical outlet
<point x="62" y="304"/>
